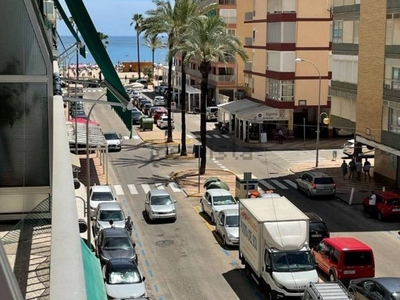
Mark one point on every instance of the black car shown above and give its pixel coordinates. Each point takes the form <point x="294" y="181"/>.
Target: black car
<point x="318" y="229"/>
<point x="115" y="243"/>
<point x="142" y="103"/>
<point x="136" y="116"/>
<point x="384" y="288"/>
<point x="146" y="108"/>
<point x="79" y="114"/>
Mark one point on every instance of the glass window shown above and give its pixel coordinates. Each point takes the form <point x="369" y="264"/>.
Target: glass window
<point x="394" y="120"/>
<point x="107" y="215"/>
<point x="338" y="31"/>
<point x="357" y="258"/>
<point x="224" y="200"/>
<point x="232" y="221"/>
<point x="356" y="31"/>
<point x="161" y="200"/>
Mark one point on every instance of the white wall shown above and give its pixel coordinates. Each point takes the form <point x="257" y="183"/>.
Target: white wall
<point x="344" y="68"/>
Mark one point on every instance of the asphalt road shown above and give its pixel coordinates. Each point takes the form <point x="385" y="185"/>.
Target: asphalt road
<point x="185" y="260"/>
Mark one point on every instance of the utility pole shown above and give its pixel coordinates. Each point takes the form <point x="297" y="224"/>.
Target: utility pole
<point x="76" y="91"/>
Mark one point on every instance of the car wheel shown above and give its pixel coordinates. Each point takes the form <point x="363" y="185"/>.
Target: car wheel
<point x="224" y="241"/>
<point x="332" y="276"/>
<point x="247" y="270"/>
<point x="272" y="295"/>
<point x="380" y="216"/>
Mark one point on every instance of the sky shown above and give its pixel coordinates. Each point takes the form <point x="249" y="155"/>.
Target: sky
<point x="111" y="17"/>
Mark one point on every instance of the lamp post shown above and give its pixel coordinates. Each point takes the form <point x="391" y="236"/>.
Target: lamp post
<point x="319" y="105"/>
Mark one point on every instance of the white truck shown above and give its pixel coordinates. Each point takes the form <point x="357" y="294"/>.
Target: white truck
<point x="273" y="246"/>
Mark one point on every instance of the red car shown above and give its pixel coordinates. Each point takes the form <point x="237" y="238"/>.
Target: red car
<point x="387" y="204"/>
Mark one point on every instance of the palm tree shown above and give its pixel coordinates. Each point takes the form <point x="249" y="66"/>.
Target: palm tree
<point x="174" y="21"/>
<point x="104" y="38"/>
<point x="207" y="41"/>
<point x="153" y="42"/>
<point x="137" y="20"/>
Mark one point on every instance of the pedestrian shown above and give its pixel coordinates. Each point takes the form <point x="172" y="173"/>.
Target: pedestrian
<point x="366" y="168"/>
<point x="358" y="169"/>
<point x="280" y="136"/>
<point x="352" y="168"/>
<point x="129" y="225"/>
<point x="372" y="205"/>
<point x="344" y="169"/>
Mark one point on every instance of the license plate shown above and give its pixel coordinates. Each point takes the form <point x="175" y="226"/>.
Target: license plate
<point x="349" y="272"/>
<point x="316" y="235"/>
<point x="396" y="209"/>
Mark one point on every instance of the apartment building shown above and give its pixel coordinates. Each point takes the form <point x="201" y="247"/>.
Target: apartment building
<point x="366" y="75"/>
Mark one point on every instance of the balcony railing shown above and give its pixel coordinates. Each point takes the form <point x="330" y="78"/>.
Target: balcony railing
<point x="392" y="84"/>
<point x="248" y="66"/>
<point x="248" y="41"/>
<point x="207" y="2"/>
<point x="229" y="59"/>
<point x="229" y="20"/>
<point x="248" y="16"/>
<point x="227" y="2"/>
<point x="221" y="78"/>
<point x="192" y="72"/>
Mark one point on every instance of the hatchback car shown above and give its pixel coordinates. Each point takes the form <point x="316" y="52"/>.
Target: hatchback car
<point x="146" y="108"/>
<point x="160" y="205"/>
<point x="100" y="194"/>
<point x="159" y="100"/>
<point x="106" y="212"/>
<point x="211" y="113"/>
<point x="318" y="229"/>
<point x="216" y="200"/>
<point x="152" y="110"/>
<point x="114" y="243"/>
<point x="316" y="183"/>
<point x="142" y="104"/>
<point x="384" y="288"/>
<point x="79" y="114"/>
<point x="387" y="205"/>
<point x="123" y="279"/>
<point x="162" y="122"/>
<point x="158" y="113"/>
<point x="136" y="116"/>
<point x="228" y="226"/>
<point x="114" y="141"/>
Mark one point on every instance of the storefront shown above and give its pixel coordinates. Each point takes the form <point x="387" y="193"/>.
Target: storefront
<point x="227" y="112"/>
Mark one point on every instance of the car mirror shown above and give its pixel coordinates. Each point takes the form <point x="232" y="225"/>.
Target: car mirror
<point x="221" y="224"/>
<point x="209" y="202"/>
<point x="174" y="201"/>
<point x="147" y="202"/>
<point x="134" y="244"/>
<point x="144" y="278"/>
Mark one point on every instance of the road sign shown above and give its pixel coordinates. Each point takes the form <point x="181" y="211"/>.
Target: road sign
<point x="259" y="117"/>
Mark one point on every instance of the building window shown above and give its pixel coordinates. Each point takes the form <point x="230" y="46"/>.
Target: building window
<point x="281" y="6"/>
<point x="231" y="31"/>
<point x="395" y="78"/>
<point x="356" y="31"/>
<point x="280" y="90"/>
<point x="394" y="120"/>
<point x="254" y="35"/>
<point x="338" y="31"/>
<point x="393" y="29"/>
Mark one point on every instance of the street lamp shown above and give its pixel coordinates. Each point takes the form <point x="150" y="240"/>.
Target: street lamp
<point x="319" y="104"/>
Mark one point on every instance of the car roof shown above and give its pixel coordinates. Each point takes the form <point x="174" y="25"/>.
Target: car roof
<point x="115" y="232"/>
<point x="123" y="262"/>
<point x="347" y="243"/>
<point x="318" y="174"/>
<point x="218" y="192"/>
<point x="389" y="194"/>
<point x="109" y="206"/>
<point x="157" y="192"/>
<point x="313" y="217"/>
<point x="392" y="284"/>
<point x="231" y="211"/>
<point x="101" y="188"/>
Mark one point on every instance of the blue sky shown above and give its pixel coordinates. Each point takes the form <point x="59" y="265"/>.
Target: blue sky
<point x="112" y="17"/>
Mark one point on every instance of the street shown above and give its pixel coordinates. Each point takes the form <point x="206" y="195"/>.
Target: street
<point x="185" y="259"/>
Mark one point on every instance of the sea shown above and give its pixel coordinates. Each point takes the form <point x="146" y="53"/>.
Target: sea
<point x="119" y="48"/>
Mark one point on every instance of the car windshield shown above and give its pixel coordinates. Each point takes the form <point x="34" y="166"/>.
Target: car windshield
<point x="117" y="243"/>
<point x="107" y="215"/>
<point x="111" y="136"/>
<point x="357" y="258"/>
<point x="324" y="180"/>
<point x="224" y="200"/>
<point x="232" y="221"/>
<point x="317" y="226"/>
<point x="161" y="200"/>
<point x="127" y="276"/>
<point x="292" y="261"/>
<point x="393" y="201"/>
<point x="102" y="196"/>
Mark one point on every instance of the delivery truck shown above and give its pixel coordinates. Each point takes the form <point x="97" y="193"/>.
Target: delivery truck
<point x="273" y="246"/>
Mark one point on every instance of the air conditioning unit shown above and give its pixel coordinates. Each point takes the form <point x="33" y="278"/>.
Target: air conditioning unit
<point x="49" y="11"/>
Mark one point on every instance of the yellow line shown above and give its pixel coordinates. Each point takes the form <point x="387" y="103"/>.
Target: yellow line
<point x="211" y="227"/>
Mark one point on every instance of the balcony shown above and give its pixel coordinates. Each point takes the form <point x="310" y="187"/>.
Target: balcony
<point x="229" y="20"/>
<point x="227" y="2"/>
<point x="248" y="66"/>
<point x="248" y="41"/>
<point x="193" y="72"/>
<point x="221" y="78"/>
<point x="204" y="3"/>
<point x="248" y="16"/>
<point x="228" y="59"/>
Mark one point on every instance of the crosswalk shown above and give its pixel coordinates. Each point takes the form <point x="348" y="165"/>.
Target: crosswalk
<point x="209" y="136"/>
<point x="93" y="90"/>
<point x="136" y="189"/>
<point x="275" y="184"/>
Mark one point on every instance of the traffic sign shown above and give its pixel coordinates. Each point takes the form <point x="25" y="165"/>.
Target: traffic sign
<point x="259" y="117"/>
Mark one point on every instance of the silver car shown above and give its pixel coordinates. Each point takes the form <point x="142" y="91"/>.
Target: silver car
<point x="228" y="226"/>
<point x="160" y="205"/>
<point x="106" y="212"/>
<point x="316" y="183"/>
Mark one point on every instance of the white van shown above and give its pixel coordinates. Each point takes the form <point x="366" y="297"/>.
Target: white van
<point x="348" y="149"/>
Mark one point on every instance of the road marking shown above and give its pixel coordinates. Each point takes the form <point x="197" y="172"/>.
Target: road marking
<point x="189" y="136"/>
<point x="198" y="210"/>
<point x="291" y="183"/>
<point x="226" y="136"/>
<point x="214" y="159"/>
<point x="267" y="185"/>
<point x="197" y="136"/>
<point x="146" y="188"/>
<point x="118" y="190"/>
<point x="126" y="137"/>
<point x="280" y="185"/>
<point x="174" y="187"/>
<point x="132" y="189"/>
<point x="160" y="186"/>
<point x="216" y="136"/>
<point x="260" y="190"/>
<point x="136" y="137"/>
<point x="208" y="136"/>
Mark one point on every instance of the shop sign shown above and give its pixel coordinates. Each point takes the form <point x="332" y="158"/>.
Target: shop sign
<point x="276" y="114"/>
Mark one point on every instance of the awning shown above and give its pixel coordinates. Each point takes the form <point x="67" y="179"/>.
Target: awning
<point x="96" y="136"/>
<point x="263" y="112"/>
<point x="234" y="107"/>
<point x="76" y="163"/>
<point x="115" y="90"/>
<point x="189" y="89"/>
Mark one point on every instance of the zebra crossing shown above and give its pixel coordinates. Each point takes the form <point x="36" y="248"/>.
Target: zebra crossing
<point x="93" y="90"/>
<point x="209" y="136"/>
<point x="275" y="184"/>
<point x="136" y="189"/>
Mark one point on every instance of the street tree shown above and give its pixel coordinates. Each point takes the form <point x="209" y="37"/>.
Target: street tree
<point x="153" y="42"/>
<point x="104" y="38"/>
<point x="137" y="21"/>
<point x="207" y="41"/>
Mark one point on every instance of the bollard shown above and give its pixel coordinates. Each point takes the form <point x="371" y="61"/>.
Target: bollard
<point x="351" y="196"/>
<point x="383" y="189"/>
<point x="167" y="150"/>
<point x="334" y="155"/>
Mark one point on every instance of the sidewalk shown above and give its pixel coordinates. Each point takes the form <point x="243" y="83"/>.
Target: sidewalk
<point x="158" y="137"/>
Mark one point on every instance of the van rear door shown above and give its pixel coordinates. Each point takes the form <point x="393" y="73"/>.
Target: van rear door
<point x="358" y="264"/>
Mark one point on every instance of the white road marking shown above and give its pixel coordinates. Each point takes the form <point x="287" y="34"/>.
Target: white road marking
<point x="132" y="189"/>
<point x="174" y="187"/>
<point x="267" y="185"/>
<point x="291" y="183"/>
<point x="213" y="159"/>
<point x="208" y="136"/>
<point x="225" y="136"/>
<point x="126" y="137"/>
<point x="118" y="190"/>
<point x="136" y="137"/>
<point x="160" y="186"/>
<point x="190" y="136"/>
<point x="280" y="185"/>
<point x="216" y="136"/>
<point x="146" y="188"/>
<point x="260" y="190"/>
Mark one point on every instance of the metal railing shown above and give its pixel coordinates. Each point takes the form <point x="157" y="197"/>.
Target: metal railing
<point x="227" y="2"/>
<point x="229" y="20"/>
<point x="193" y="72"/>
<point x="221" y="78"/>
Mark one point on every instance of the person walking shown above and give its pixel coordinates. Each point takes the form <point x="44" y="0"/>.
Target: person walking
<point x="280" y="136"/>
<point x="372" y="205"/>
<point x="366" y="168"/>
<point x="344" y="169"/>
<point x="352" y="168"/>
<point x="358" y="169"/>
<point x="129" y="225"/>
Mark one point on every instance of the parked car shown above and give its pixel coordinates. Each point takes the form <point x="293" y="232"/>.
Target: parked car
<point x="212" y="113"/>
<point x="146" y="108"/>
<point x="160" y="100"/>
<point x="318" y="229"/>
<point x="79" y="114"/>
<point x="383" y="288"/>
<point x="152" y="110"/>
<point x="137" y="99"/>
<point x="316" y="183"/>
<point x="162" y="122"/>
<point x="344" y="258"/>
<point x="142" y="102"/>
<point x="136" y="116"/>
<point x="387" y="205"/>
<point x="78" y="105"/>
<point x="123" y="279"/>
<point x="144" y="82"/>
<point x="114" y="141"/>
<point x="114" y="243"/>
<point x="348" y="149"/>
<point x="106" y="212"/>
<point x="227" y="226"/>
<point x="160" y="205"/>
<point x="159" y="113"/>
<point x="100" y="194"/>
<point x="215" y="200"/>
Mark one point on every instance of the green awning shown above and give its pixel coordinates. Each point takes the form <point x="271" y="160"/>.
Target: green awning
<point x="115" y="90"/>
<point x="82" y="50"/>
<point x="94" y="282"/>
